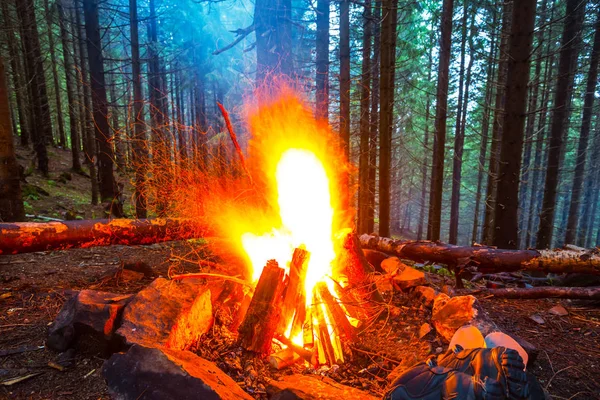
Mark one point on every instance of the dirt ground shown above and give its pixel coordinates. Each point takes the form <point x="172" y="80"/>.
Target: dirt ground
<point x="34" y="286"/>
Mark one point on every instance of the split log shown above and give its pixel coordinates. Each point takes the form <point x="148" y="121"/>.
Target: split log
<point x="352" y="268"/>
<point x="587" y="293"/>
<point x="294" y="301"/>
<point x="283" y="358"/>
<point x="325" y="348"/>
<point x="26" y="237"/>
<point x="339" y="318"/>
<point x="263" y="316"/>
<point x="489" y="259"/>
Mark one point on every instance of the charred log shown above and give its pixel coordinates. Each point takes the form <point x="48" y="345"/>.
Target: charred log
<point x="294" y="301"/>
<point x="490" y="259"/>
<point x="262" y="319"/>
<point x="26" y="237"/>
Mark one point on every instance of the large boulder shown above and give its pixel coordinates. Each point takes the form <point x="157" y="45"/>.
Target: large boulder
<point x="451" y="314"/>
<point x="167" y="313"/>
<point x="312" y="387"/>
<point x="152" y="373"/>
<point x="88" y="311"/>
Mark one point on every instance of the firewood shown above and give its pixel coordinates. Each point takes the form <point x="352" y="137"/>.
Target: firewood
<point x="305" y="354"/>
<point x="489" y="259"/>
<point x="294" y="301"/>
<point x="583" y="293"/>
<point x="324" y="342"/>
<point x="338" y="316"/>
<point x="263" y="316"/>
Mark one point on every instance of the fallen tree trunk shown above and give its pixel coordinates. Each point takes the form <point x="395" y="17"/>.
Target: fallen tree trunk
<point x="489" y="259"/>
<point x="26" y="237"/>
<point x="583" y="293"/>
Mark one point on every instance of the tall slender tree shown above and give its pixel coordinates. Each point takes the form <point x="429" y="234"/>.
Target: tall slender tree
<point x="365" y="82"/>
<point x="57" y="98"/>
<point x="11" y="202"/>
<point x="322" y="58"/>
<point x="441" y="115"/>
<point x="560" y="114"/>
<point x="517" y="78"/>
<point x="586" y="120"/>
<point x="374" y="119"/>
<point x="345" y="74"/>
<point x="272" y="23"/>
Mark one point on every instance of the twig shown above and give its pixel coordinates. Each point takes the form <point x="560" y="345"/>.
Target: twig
<point x="556" y="373"/>
<point x="369" y="353"/>
<point x="241" y="34"/>
<point x="233" y="136"/>
<point x="305" y="354"/>
<point x="209" y="275"/>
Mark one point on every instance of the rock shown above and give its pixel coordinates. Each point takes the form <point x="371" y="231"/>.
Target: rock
<point x="537" y="319"/>
<point x="375" y="258"/>
<point x="424" y="330"/>
<point x="86" y="311"/>
<point x="468" y="337"/>
<point x="168" y="313"/>
<point x="558" y="310"/>
<point x="458" y="312"/>
<point x="312" y="387"/>
<point x="409" y="278"/>
<point x="439" y="302"/>
<point x="500" y="339"/>
<point x="152" y="373"/>
<point x="393" y="265"/>
<point x="425" y="294"/>
<point x="127" y="275"/>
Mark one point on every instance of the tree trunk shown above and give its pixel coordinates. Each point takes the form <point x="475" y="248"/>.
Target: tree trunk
<point x="17" y="69"/>
<point x="485" y="123"/>
<point x="68" y="65"/>
<point x="345" y="76"/>
<point x="42" y="126"/>
<point x="374" y="117"/>
<point x="365" y="82"/>
<point x="272" y="23"/>
<point x="139" y="135"/>
<point x="11" y="202"/>
<point x="441" y="115"/>
<point x="506" y="227"/>
<point x="322" y="56"/>
<point x="387" y="57"/>
<point x="30" y="237"/>
<point x="489" y="259"/>
<point x="591" y="193"/>
<point x="560" y="115"/>
<point x="86" y="108"/>
<point x="59" y="116"/>
<point x="106" y="181"/>
<point x="582" y="293"/>
<point x="586" y="121"/>
<point x="459" y="138"/>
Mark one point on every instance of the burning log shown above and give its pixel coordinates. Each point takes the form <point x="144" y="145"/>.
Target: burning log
<point x="587" y="293"/>
<point x="26" y="237"/>
<point x="325" y="347"/>
<point x="294" y="302"/>
<point x="339" y="318"/>
<point x="358" y="291"/>
<point x="264" y="313"/>
<point x="283" y="358"/>
<point x="489" y="259"/>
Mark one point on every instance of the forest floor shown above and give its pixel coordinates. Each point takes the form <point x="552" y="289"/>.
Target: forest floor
<point x="33" y="288"/>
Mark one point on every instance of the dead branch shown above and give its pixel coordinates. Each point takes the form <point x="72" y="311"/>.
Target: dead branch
<point x="240" y="35"/>
<point x="233" y="136"/>
<point x="582" y="293"/>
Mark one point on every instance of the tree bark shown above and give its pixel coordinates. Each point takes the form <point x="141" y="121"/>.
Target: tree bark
<point x="30" y="237"/>
<point x="42" y="125"/>
<point x="51" y="46"/>
<point x="387" y="57"/>
<point x="586" y="120"/>
<point x="517" y="77"/>
<point x="374" y="117"/>
<point x="322" y="59"/>
<point x="441" y="115"/>
<point x="139" y="135"/>
<point x="11" y="202"/>
<point x="490" y="198"/>
<point x="560" y="115"/>
<point x="68" y="64"/>
<point x="489" y="259"/>
<point x="365" y="82"/>
<point x="345" y="77"/>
